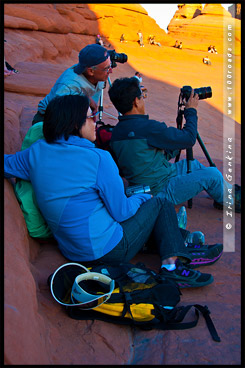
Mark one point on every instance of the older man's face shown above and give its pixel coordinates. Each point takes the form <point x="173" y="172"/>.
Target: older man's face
<point x="102" y="70"/>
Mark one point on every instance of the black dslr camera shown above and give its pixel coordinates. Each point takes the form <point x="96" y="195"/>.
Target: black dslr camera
<point x="120" y="58"/>
<point x="203" y="92"/>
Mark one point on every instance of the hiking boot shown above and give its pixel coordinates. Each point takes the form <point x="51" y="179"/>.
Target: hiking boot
<point x="237" y="199"/>
<point x="203" y="255"/>
<point x="185" y="277"/>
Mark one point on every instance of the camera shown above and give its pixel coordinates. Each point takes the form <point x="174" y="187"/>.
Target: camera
<point x="136" y="189"/>
<point x="120" y="58"/>
<point x="203" y="92"/>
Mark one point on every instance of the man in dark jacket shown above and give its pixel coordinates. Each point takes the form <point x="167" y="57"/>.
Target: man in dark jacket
<point x="143" y="148"/>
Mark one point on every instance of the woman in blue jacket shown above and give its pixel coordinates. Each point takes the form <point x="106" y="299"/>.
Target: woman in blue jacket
<point x="81" y="196"/>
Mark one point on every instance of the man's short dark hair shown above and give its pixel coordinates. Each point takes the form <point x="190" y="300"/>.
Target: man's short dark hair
<point x="123" y="93"/>
<point x="64" y="116"/>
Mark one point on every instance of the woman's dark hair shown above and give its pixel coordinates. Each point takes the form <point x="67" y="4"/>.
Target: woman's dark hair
<point x="64" y="116"/>
<point x="123" y="93"/>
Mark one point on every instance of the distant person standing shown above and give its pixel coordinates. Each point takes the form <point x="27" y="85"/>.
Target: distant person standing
<point x="140" y="40"/>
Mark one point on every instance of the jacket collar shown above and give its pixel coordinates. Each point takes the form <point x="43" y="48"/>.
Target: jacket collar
<point x="133" y="116"/>
<point x="74" y="140"/>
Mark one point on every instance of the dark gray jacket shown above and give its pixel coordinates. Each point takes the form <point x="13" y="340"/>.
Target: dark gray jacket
<point x="143" y="148"/>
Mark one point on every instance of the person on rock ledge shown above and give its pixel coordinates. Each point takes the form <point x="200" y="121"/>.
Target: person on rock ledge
<point x="88" y="77"/>
<point x="81" y="195"/>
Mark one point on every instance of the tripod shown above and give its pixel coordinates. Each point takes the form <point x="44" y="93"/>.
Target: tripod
<point x="101" y="110"/>
<point x="189" y="151"/>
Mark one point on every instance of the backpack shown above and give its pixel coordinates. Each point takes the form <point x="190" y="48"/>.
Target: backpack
<point x="140" y="298"/>
<point x="103" y="136"/>
<point x="103" y="139"/>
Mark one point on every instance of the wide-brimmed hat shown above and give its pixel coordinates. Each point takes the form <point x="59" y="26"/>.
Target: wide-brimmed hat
<point x="73" y="285"/>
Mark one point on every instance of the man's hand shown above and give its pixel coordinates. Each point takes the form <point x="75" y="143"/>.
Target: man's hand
<point x="93" y="105"/>
<point x="193" y="101"/>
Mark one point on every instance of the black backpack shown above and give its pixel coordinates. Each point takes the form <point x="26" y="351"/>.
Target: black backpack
<point x="141" y="298"/>
<point x="103" y="136"/>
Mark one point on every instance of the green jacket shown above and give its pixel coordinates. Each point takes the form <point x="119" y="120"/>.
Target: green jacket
<point x="36" y="225"/>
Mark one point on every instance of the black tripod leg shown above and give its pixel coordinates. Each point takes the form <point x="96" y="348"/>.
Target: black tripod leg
<point x="189" y="158"/>
<point x="189" y="151"/>
<point x="101" y="107"/>
<point x="211" y="163"/>
<point x="179" y="120"/>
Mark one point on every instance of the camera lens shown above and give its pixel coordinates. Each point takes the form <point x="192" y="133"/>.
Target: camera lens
<point x="203" y="92"/>
<point x="114" y="56"/>
<point x="120" y="58"/>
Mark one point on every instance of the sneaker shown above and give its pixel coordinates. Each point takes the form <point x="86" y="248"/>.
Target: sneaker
<point x="237" y="198"/>
<point x="204" y="255"/>
<point x="185" y="277"/>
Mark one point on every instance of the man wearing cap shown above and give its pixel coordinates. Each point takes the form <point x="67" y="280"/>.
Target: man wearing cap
<point x="85" y="78"/>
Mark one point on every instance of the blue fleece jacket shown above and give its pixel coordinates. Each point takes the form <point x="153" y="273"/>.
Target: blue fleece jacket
<point x="79" y="192"/>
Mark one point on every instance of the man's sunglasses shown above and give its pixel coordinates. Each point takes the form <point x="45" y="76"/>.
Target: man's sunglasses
<point x="104" y="69"/>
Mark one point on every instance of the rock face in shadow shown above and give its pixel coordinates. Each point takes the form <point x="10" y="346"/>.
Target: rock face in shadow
<point x="199" y="28"/>
<point x="42" y="41"/>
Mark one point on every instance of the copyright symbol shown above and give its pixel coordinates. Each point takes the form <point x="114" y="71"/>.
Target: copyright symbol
<point x="228" y="226"/>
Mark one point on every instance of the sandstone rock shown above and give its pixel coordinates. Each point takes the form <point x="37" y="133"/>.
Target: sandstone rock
<point x="44" y="15"/>
<point x="16" y="22"/>
<point x="82" y="19"/>
<point x="25" y="325"/>
<point x="28" y="49"/>
<point x="12" y="139"/>
<point x="188" y="11"/>
<point x="205" y="29"/>
<point x="28" y="80"/>
<point x="130" y="17"/>
<point x="215" y="9"/>
<point x="183" y="15"/>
